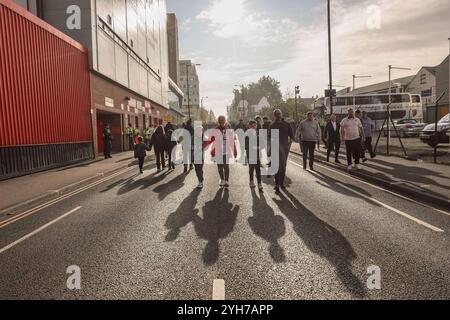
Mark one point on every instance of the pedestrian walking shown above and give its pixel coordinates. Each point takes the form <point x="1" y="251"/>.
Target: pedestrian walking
<point x="351" y="130"/>
<point x="286" y="136"/>
<point x="107" y="141"/>
<point x="332" y="138"/>
<point x="170" y="146"/>
<point x="266" y="123"/>
<point x="228" y="147"/>
<point x="137" y="134"/>
<point x="190" y="129"/>
<point x="252" y="148"/>
<point x="358" y="115"/>
<point x="140" y="152"/>
<point x="148" y="132"/>
<point x="310" y="134"/>
<point x="158" y="142"/>
<point x="199" y="148"/>
<point x="169" y="126"/>
<point x="129" y="131"/>
<point x="369" y="128"/>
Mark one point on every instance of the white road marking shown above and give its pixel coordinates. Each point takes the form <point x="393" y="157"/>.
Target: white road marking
<point x="219" y="290"/>
<point x="2" y="250"/>
<point x="423" y="223"/>
<point x="376" y="187"/>
<point x="38" y="208"/>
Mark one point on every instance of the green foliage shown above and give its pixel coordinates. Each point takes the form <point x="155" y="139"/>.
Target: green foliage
<point x="270" y="88"/>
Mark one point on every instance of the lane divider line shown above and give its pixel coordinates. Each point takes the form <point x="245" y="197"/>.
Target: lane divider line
<point x="29" y="235"/>
<point x="423" y="223"/>
<point x="31" y="211"/>
<point x="403" y="214"/>
<point x="376" y="187"/>
<point x="218" y="290"/>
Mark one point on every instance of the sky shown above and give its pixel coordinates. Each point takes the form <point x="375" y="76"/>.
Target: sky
<point x="238" y="41"/>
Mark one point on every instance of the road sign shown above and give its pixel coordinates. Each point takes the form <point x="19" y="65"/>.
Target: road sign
<point x="327" y="93"/>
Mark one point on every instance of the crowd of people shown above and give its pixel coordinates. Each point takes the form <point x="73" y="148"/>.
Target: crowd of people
<point x="355" y="131"/>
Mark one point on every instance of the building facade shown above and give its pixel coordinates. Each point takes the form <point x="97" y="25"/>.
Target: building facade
<point x="127" y="42"/>
<point x="190" y="84"/>
<point x="173" y="47"/>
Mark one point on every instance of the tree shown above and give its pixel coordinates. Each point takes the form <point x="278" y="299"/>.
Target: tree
<point x="253" y="93"/>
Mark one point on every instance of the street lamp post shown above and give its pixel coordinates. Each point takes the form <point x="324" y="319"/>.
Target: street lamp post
<point x="188" y="87"/>
<point x="297" y="93"/>
<point x="389" y="107"/>
<point x="329" y="56"/>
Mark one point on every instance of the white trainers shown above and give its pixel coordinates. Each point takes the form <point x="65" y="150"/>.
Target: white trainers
<point x="226" y="185"/>
<point x="260" y="187"/>
<point x="200" y="185"/>
<point x="350" y="168"/>
<point x="222" y="183"/>
<point x="252" y="184"/>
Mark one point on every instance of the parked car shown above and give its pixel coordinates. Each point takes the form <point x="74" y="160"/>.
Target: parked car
<point x="443" y="127"/>
<point x="407" y="128"/>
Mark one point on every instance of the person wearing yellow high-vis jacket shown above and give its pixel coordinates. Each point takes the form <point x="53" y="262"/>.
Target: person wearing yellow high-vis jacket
<point x="130" y="134"/>
<point x="148" y="132"/>
<point x="136" y="135"/>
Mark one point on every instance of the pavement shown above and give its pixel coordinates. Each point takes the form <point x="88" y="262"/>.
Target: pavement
<point x="416" y="149"/>
<point x="154" y="236"/>
<point x="426" y="181"/>
<point x="19" y="193"/>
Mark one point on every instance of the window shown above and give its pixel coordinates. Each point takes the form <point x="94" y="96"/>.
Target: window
<point x="423" y="78"/>
<point x="426" y="93"/>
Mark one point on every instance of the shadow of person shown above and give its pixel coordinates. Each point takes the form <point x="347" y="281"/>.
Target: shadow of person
<point x="266" y="225"/>
<point x="324" y="240"/>
<point x="184" y="214"/>
<point x="171" y="186"/>
<point x="219" y="218"/>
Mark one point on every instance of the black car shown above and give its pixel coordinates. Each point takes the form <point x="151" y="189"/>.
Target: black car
<point x="428" y="134"/>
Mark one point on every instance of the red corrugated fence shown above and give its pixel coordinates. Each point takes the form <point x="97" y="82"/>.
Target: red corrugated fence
<point x="44" y="82"/>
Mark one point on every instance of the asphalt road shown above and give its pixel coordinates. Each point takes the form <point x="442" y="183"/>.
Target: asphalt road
<point x="153" y="236"/>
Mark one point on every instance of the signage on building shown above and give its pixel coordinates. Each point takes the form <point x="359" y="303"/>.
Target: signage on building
<point x="109" y="102"/>
<point x="168" y="118"/>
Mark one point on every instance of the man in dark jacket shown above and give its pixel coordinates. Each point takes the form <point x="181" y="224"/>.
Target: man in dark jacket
<point x="159" y="142"/>
<point x="107" y="139"/>
<point x="140" y="152"/>
<point x="332" y="138"/>
<point x="286" y="136"/>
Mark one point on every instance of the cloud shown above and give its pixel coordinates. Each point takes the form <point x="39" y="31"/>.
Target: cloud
<point x="412" y="34"/>
<point x="186" y="25"/>
<point x="231" y="19"/>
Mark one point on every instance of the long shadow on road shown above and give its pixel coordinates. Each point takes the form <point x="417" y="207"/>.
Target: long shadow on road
<point x="268" y="226"/>
<point x="322" y="239"/>
<point x="219" y="219"/>
<point x="184" y="214"/>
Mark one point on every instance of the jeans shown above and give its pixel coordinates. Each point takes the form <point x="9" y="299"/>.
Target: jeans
<point x="224" y="169"/>
<point x="309" y="147"/>
<point x="199" y="172"/>
<point x="141" y="163"/>
<point x="368" y="144"/>
<point x="353" y="150"/>
<point x="281" y="174"/>
<point x="252" y="168"/>
<point x="160" y="159"/>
